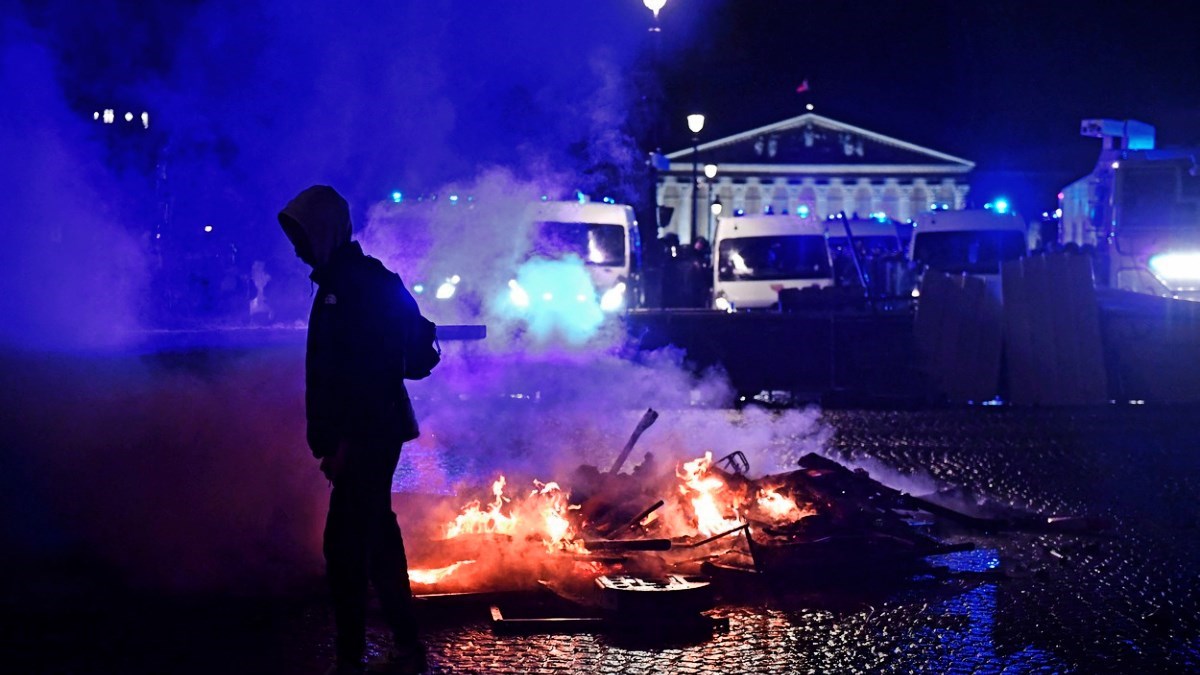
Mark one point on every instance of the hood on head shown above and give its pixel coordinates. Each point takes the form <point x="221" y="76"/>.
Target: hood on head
<point x="317" y="221"/>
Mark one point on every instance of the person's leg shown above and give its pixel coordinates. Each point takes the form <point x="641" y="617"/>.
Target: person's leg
<point x="346" y="560"/>
<point x="388" y="563"/>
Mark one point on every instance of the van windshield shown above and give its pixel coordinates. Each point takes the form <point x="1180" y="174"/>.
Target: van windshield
<point x="971" y="251"/>
<point x="595" y="244"/>
<point x="774" y="258"/>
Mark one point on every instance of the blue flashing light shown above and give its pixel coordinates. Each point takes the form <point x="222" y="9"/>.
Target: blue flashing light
<point x="1001" y="205"/>
<point x="454" y="199"/>
<point x="397" y="196"/>
<point x="739" y="212"/>
<point x="580" y="197"/>
<point x="555" y="298"/>
<point x="802" y="210"/>
<point x="545" y="198"/>
<point x="418" y="288"/>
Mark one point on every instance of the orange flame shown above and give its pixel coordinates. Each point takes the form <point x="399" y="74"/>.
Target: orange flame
<point x="541" y="515"/>
<point x="559" y="532"/>
<point x="477" y="520"/>
<point x="432" y="576"/>
<point x="704" y="491"/>
<point x="779" y="507"/>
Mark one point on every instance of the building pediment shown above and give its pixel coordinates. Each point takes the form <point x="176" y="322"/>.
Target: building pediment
<point x="813" y="143"/>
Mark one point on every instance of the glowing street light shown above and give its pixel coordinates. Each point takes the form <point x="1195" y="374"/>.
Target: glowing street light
<point x="695" y="123"/>
<point x="710" y="171"/>
<point x="654" y="6"/>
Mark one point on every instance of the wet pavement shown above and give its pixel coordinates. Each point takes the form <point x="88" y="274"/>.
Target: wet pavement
<point x="1122" y="602"/>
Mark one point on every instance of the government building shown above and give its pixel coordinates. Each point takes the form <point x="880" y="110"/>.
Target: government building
<point x="812" y="166"/>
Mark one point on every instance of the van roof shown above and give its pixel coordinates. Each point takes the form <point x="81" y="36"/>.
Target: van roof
<point x="583" y="212"/>
<point x="968" y="219"/>
<point x="750" y="226"/>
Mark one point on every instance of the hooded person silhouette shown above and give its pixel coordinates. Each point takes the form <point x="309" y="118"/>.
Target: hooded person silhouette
<point x="359" y="415"/>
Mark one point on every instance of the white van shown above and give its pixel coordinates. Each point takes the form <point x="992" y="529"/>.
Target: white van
<point x="756" y="257"/>
<point x="603" y="235"/>
<point x="970" y="241"/>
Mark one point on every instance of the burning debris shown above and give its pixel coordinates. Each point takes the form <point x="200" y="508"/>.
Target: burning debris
<point x="654" y="540"/>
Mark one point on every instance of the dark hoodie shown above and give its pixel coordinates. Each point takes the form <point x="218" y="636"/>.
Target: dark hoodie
<point x="354" y="368"/>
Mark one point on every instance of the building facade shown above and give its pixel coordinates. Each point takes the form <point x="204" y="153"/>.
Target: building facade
<point x="812" y="166"/>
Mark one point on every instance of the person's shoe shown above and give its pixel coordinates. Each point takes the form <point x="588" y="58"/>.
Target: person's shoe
<point x="346" y="669"/>
<point x="401" y="660"/>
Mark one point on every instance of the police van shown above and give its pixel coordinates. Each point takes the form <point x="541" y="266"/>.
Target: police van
<point x="756" y="257"/>
<point x="969" y="241"/>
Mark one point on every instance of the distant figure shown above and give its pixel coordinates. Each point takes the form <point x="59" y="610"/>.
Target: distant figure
<point x="359" y="414"/>
<point x="260" y="311"/>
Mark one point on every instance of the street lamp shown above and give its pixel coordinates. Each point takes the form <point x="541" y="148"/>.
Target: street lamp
<point x="710" y="172"/>
<point x="654" y="6"/>
<point x="695" y="123"/>
<point x="715" y="209"/>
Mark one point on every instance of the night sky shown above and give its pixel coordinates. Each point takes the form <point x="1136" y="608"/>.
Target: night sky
<point x="423" y="93"/>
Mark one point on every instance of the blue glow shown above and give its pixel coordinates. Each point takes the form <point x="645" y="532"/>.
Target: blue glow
<point x="545" y="296"/>
<point x="397" y="196"/>
<point x="1001" y="205"/>
<point x="974" y="631"/>
<point x="418" y="288"/>
<point x="802" y="210"/>
<point x="1182" y="267"/>
<point x="454" y="198"/>
<point x="580" y="197"/>
<point x="739" y="212"/>
<point x="517" y="295"/>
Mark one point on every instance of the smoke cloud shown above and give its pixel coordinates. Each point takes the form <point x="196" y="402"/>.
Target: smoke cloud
<point x="70" y="272"/>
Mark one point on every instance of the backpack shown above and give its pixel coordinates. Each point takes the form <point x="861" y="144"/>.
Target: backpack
<point x="422" y="352"/>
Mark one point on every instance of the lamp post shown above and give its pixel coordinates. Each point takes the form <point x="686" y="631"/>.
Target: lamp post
<point x="710" y="172"/>
<point x="695" y="123"/>
<point x="715" y="208"/>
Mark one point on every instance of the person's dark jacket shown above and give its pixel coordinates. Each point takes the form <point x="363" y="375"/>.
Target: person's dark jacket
<point x="354" y="368"/>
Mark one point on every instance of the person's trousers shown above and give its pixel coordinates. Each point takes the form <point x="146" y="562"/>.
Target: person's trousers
<point x="363" y="544"/>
